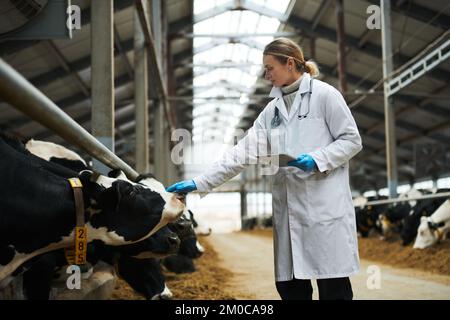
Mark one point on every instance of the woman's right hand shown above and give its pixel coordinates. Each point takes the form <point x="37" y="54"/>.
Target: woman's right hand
<point x="182" y="187"/>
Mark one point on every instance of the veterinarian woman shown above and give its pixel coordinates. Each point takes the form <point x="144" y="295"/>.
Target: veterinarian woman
<point x="313" y="215"/>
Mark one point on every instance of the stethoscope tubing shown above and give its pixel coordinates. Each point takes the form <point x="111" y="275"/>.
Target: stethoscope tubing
<point x="276" y="121"/>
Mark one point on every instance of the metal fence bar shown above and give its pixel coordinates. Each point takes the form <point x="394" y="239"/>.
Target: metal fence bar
<point x="20" y="93"/>
<point x="387" y="201"/>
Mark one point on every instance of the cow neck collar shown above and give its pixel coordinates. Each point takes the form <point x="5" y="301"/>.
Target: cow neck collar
<point x="77" y="189"/>
<point x="94" y="177"/>
<point x="78" y="255"/>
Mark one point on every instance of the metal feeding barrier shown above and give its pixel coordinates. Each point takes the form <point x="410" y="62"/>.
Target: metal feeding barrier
<point x="20" y="93"/>
<point x="388" y="201"/>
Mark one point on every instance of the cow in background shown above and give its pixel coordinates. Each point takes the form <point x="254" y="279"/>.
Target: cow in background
<point x="367" y="217"/>
<point x="434" y="228"/>
<point x="200" y="229"/>
<point x="423" y="208"/>
<point x="392" y="220"/>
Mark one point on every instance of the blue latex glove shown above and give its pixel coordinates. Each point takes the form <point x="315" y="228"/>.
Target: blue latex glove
<point x="304" y="162"/>
<point x="182" y="187"/>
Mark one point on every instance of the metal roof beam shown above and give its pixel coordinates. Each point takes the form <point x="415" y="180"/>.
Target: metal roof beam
<point x="76" y="66"/>
<point x="320" y="12"/>
<point x="186" y="55"/>
<point x="234" y="36"/>
<point x="65" y="65"/>
<point x="240" y="5"/>
<point x="419" y="13"/>
<point x="353" y="42"/>
<point x="214" y="12"/>
<point x="180" y="25"/>
<point x="367" y="85"/>
<point x="77" y="98"/>
<point x="123" y="53"/>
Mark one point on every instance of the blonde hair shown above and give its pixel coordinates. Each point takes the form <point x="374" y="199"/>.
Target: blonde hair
<point x="283" y="48"/>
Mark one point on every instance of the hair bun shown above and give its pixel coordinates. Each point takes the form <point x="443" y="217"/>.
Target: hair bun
<point x="312" y="68"/>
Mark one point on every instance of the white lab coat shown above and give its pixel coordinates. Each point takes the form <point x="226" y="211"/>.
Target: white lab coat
<point x="313" y="214"/>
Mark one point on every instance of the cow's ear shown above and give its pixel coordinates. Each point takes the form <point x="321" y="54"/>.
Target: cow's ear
<point x="114" y="173"/>
<point x="85" y="176"/>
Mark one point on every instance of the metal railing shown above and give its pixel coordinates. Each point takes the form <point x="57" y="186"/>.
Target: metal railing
<point x="388" y="201"/>
<point x="20" y="93"/>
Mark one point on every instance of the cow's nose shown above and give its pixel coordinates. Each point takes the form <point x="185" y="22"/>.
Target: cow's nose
<point x="184" y="226"/>
<point x="174" y="241"/>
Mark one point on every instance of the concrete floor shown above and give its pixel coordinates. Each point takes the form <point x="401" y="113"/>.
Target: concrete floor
<point x="250" y="258"/>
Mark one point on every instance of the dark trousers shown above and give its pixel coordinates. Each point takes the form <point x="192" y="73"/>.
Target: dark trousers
<point x="329" y="289"/>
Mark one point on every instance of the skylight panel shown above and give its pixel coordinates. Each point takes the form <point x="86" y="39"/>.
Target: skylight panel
<point x="249" y="22"/>
<point x="200" y="41"/>
<point x="255" y="55"/>
<point x="203" y="27"/>
<point x="235" y="21"/>
<point x="221" y="23"/>
<point x="221" y="93"/>
<point x="240" y="52"/>
<point x="255" y="70"/>
<point x="214" y="55"/>
<point x="229" y="51"/>
<point x="248" y="80"/>
<point x="268" y="24"/>
<point x="259" y="2"/>
<point x="207" y="78"/>
<point x="202" y="6"/>
<point x="212" y="132"/>
<point x="277" y="5"/>
<point x="264" y="40"/>
<point x="219" y="2"/>
<point x="213" y="91"/>
<point x="234" y="73"/>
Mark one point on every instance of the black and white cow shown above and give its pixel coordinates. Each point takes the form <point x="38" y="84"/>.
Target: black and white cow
<point x="200" y="229"/>
<point x="37" y="208"/>
<point x="145" y="277"/>
<point x="423" y="208"/>
<point x="40" y="271"/>
<point x="392" y="220"/>
<point x="367" y="217"/>
<point x="56" y="153"/>
<point x="434" y="228"/>
<point x="190" y="249"/>
<point x="142" y="255"/>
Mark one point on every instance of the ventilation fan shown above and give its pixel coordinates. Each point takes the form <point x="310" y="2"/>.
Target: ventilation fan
<point x="16" y="14"/>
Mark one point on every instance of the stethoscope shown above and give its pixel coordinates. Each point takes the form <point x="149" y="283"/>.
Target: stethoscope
<point x="276" y="120"/>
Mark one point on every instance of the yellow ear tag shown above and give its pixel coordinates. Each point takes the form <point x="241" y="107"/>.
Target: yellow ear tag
<point x="80" y="245"/>
<point x="75" y="183"/>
